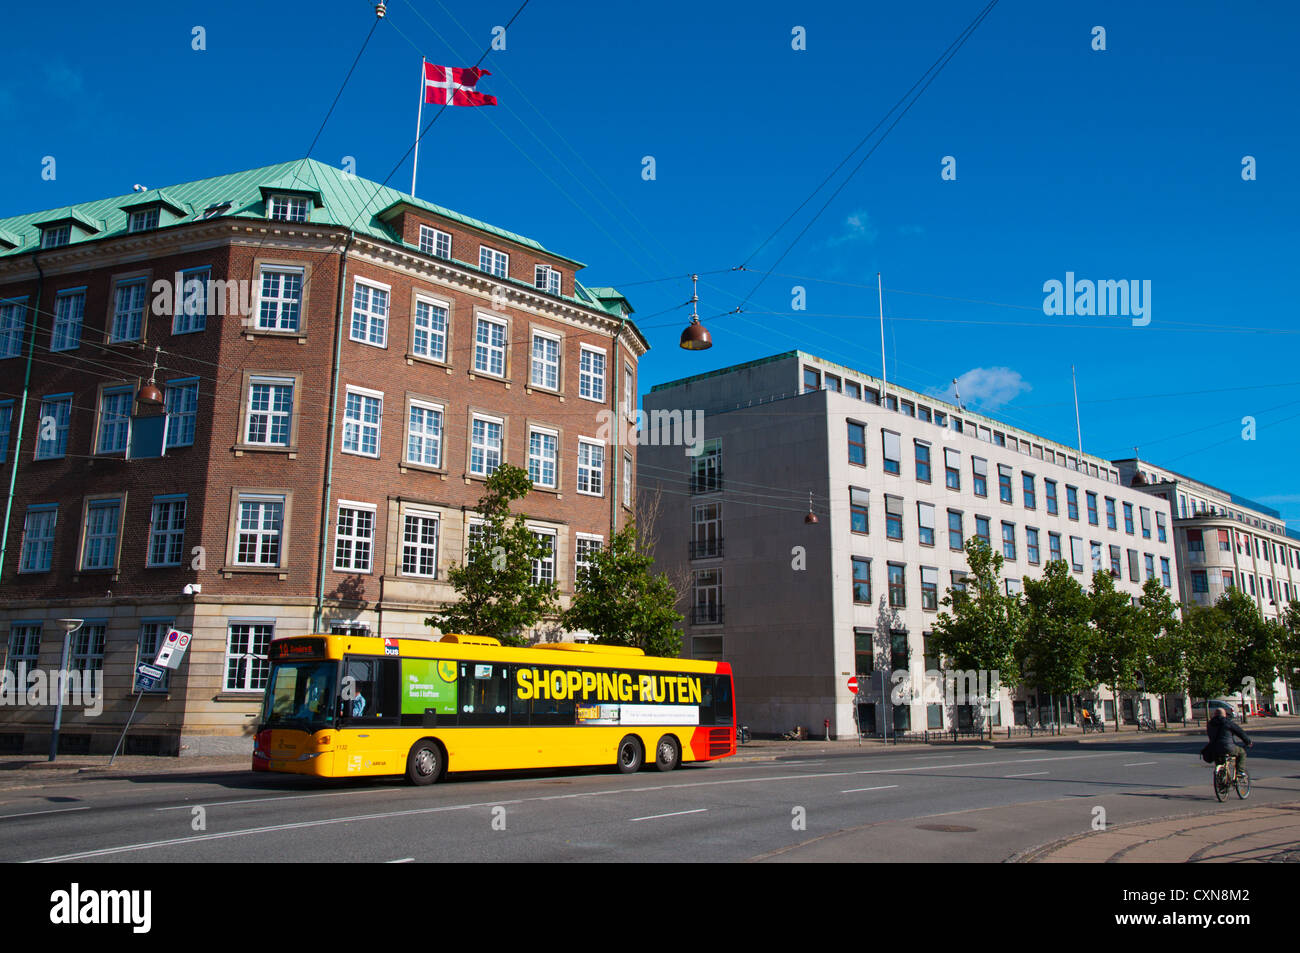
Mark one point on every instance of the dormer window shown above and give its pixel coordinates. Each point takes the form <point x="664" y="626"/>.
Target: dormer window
<point x="547" y="279"/>
<point x="56" y="236"/>
<point x="435" y="242"/>
<point x="144" y="220"/>
<point x="288" y="208"/>
<point x="493" y="262"/>
<point x="214" y="210"/>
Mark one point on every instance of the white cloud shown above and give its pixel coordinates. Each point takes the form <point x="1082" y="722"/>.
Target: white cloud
<point x="857" y="228"/>
<point x="990" y="387"/>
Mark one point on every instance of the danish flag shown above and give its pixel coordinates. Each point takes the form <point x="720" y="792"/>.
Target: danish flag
<point x="454" y="85"/>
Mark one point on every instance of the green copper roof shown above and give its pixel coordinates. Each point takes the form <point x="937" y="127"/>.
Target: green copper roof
<point x="346" y="200"/>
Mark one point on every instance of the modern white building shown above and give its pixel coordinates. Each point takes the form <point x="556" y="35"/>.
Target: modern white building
<point x="898" y="481"/>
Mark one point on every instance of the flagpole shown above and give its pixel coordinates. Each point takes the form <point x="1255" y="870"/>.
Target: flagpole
<point x="419" y="117"/>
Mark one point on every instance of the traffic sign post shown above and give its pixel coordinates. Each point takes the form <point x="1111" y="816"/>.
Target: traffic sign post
<point x="857" y="723"/>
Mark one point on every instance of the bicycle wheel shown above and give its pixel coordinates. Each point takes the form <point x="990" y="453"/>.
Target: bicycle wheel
<point x="1220" y="782"/>
<point x="1243" y="785"/>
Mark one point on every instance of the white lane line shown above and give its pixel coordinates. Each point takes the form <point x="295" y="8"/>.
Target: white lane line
<point x="1027" y="774"/>
<point x="1136" y="764"/>
<point x="402" y="860"/>
<point x="882" y="787"/>
<point x="62" y="810"/>
<point x="387" y="815"/>
<point x="655" y="817"/>
<point x="258" y="800"/>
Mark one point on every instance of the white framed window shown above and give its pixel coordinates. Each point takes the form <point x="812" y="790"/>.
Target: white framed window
<point x="279" y="298"/>
<point x="114" y="419"/>
<point x="247" y="665"/>
<point x="490" y="346"/>
<point x="56" y="236"/>
<point x="167" y="531"/>
<point x="192" y="315"/>
<point x="99" y="550"/>
<point x="591" y="374"/>
<point x="493" y="262"/>
<point x="424" y="434"/>
<point x="369" y="313"/>
<point x="150" y="640"/>
<point x="544" y="568"/>
<point x="435" y="242"/>
<point x="52" y="438"/>
<point x="543" y="457"/>
<point x="429" y="331"/>
<point x="12" y="314"/>
<point x="289" y="208"/>
<point x="38" y="538"/>
<point x="270" y="412"/>
<point x="485" y="445"/>
<point x="591" y="468"/>
<point x="69" y="314"/>
<point x="182" y="402"/>
<point x="545" y="371"/>
<point x="546" y="278"/>
<point x="363" y="414"/>
<point x="419" y="544"/>
<point x="6" y="425"/>
<point x="87" y="646"/>
<point x="24" y="647"/>
<point x="354" y="537"/>
<point x="629" y="392"/>
<point x="584" y="547"/>
<point x="627" y="478"/>
<point x="260" y="530"/>
<point x="128" y="310"/>
<point x="143" y="220"/>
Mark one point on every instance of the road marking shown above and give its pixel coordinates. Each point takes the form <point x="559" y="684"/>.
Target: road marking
<point x="1135" y="764"/>
<point x="258" y="800"/>
<point x="62" y="810"/>
<point x="388" y="815"/>
<point x="655" y="817"/>
<point x="883" y="787"/>
<point x="1027" y="774"/>
<point x="403" y="860"/>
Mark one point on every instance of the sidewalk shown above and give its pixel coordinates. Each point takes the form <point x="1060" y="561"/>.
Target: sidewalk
<point x="29" y="771"/>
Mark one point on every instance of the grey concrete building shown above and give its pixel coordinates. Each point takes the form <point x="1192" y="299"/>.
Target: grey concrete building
<point x="898" y="481"/>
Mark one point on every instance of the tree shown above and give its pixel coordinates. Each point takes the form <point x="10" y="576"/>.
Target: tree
<point x="619" y="600"/>
<point x="1165" y="664"/>
<point x="498" y="596"/>
<point x="984" y="626"/>
<point x="1054" y="650"/>
<point x="1254" y="645"/>
<point x="1205" y="651"/>
<point x="1290" y="648"/>
<point x="1115" y="649"/>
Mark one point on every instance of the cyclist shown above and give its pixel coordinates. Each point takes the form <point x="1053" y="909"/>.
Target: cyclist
<point x="1221" y="730"/>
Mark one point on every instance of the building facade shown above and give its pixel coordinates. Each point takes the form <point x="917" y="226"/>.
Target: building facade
<point x="341" y="367"/>
<point x="898" y="481"/>
<point x="1226" y="541"/>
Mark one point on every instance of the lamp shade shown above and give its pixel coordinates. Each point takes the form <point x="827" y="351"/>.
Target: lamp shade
<point x="696" y="337"/>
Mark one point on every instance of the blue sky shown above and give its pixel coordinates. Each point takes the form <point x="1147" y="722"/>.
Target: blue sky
<point x="1117" y="164"/>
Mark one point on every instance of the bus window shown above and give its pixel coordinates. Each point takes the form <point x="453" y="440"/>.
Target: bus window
<point x="706" y="702"/>
<point x="518" y="706"/>
<point x="373" y="686"/>
<point x="484" y="694"/>
<point x="551" y="711"/>
<point x="722" y="700"/>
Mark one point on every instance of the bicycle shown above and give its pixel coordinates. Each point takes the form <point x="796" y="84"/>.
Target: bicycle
<point x="742" y="735"/>
<point x="1223" y="780"/>
<point x="1147" y="724"/>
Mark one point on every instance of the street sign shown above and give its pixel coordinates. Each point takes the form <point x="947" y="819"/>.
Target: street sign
<point x="173" y="649"/>
<point x="147" y="676"/>
<point x="853" y="684"/>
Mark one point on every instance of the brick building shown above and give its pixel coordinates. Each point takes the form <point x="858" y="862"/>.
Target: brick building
<point x="342" y="366"/>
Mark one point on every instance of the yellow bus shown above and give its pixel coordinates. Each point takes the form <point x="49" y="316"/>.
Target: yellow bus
<point x="340" y="706"/>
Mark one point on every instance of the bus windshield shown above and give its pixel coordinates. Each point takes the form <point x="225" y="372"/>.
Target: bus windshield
<point x="300" y="695"/>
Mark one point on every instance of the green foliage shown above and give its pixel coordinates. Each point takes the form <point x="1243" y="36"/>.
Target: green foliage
<point x="619" y="600"/>
<point x="1289" y="649"/>
<point x="1254" y="645"/>
<point x="984" y="625"/>
<point x="497" y="594"/>
<point x="1116" y="646"/>
<point x="1165" y="665"/>
<point x="1205" y="646"/>
<point x="1053" y="653"/>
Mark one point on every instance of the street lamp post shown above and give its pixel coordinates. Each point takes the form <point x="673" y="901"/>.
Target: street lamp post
<point x="69" y="626"/>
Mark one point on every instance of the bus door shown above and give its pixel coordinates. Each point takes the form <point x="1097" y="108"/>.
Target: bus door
<point x="370" y="709"/>
<point x="484" y="695"/>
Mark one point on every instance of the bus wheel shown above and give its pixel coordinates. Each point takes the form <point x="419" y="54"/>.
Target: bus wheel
<point x="630" y="755"/>
<point x="668" y="754"/>
<point x="424" y="763"/>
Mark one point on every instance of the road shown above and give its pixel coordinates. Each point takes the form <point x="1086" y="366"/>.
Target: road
<point x="842" y="803"/>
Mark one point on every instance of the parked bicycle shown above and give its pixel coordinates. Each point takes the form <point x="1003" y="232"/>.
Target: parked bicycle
<point x="1147" y="724"/>
<point x="1225" y="778"/>
<point x="742" y="734"/>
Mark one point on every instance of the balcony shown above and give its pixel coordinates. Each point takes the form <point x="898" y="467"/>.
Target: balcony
<point x="708" y="614"/>
<point x="706" y="548"/>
